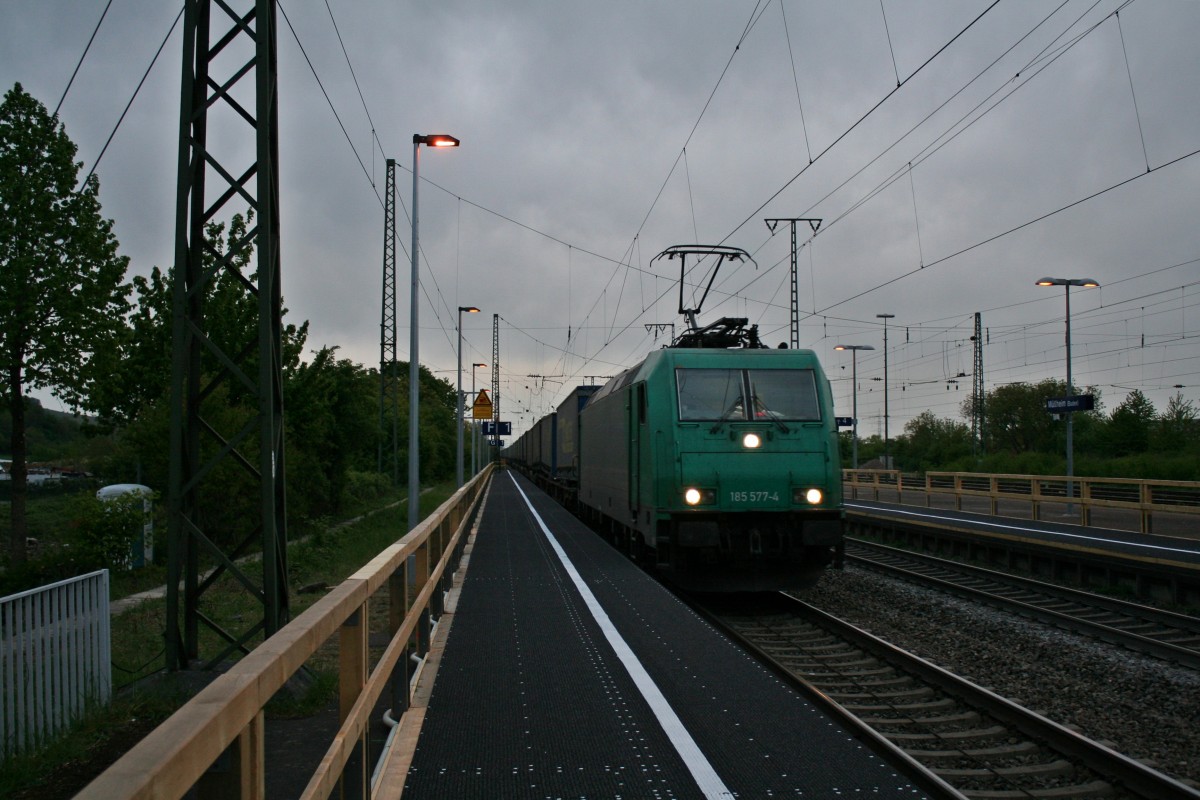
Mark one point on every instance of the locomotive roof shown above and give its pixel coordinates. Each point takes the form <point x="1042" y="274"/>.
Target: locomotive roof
<point x="668" y="358"/>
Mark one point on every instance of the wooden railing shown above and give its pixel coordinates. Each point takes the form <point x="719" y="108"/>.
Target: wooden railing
<point x="226" y="720"/>
<point x="1078" y="498"/>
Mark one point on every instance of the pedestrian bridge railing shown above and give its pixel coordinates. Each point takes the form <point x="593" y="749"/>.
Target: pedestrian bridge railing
<point x="1148" y="506"/>
<point x="55" y="660"/>
<point x="225" y="721"/>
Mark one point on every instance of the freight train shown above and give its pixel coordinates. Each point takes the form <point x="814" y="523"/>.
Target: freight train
<point x="714" y="460"/>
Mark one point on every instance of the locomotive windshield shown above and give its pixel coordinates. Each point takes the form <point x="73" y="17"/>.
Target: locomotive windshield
<point x="707" y="395"/>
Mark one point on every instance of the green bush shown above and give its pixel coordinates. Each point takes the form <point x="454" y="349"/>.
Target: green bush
<point x="363" y="486"/>
<point x="106" y="529"/>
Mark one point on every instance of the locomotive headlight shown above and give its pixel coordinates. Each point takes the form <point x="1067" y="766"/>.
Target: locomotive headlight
<point x="751" y="440"/>
<point x="812" y="496"/>
<point x="696" y="497"/>
<point x="692" y="497"/>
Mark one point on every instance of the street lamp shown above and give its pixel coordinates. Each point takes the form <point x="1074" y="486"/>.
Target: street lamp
<point x="887" y="442"/>
<point x="854" y="348"/>
<point x="458" y="462"/>
<point x="1067" y="283"/>
<point x="414" y="369"/>
<point x="474" y="432"/>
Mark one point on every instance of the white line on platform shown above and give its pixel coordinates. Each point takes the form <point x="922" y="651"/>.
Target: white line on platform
<point x="1024" y="529"/>
<point x="706" y="777"/>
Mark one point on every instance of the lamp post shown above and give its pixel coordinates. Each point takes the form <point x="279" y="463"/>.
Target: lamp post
<point x="414" y="369"/>
<point x="1067" y="283"/>
<point x="474" y="432"/>
<point x="887" y="442"/>
<point x="458" y="461"/>
<point x="854" y="348"/>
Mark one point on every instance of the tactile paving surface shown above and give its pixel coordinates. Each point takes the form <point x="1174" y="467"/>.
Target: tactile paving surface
<point x="531" y="699"/>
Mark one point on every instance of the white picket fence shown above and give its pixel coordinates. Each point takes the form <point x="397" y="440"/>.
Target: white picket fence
<point x="55" y="659"/>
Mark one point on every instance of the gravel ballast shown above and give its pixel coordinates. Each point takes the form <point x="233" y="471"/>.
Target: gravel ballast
<point x="1140" y="706"/>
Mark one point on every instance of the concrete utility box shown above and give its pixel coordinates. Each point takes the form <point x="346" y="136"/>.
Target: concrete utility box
<point x="142" y="551"/>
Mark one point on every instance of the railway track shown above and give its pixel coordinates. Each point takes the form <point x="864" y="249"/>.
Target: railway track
<point x="1143" y="629"/>
<point x="983" y="745"/>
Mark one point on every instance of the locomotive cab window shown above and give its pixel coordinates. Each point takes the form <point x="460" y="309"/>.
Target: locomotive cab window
<point x="789" y="394"/>
<point x="708" y="395"/>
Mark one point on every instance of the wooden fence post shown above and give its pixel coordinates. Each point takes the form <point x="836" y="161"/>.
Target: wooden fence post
<point x="353" y="668"/>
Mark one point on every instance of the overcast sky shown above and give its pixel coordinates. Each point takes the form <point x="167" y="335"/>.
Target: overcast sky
<point x="955" y="151"/>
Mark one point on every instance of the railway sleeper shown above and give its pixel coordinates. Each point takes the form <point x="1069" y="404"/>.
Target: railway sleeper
<point x="1008" y="750"/>
<point x="859" y="681"/>
<point x="1073" y="792"/>
<point x="814" y="672"/>
<point x="857" y="663"/>
<point x="921" y="691"/>
<point x="970" y="717"/>
<point x="941" y="703"/>
<point x="991" y="732"/>
<point x="1056" y="768"/>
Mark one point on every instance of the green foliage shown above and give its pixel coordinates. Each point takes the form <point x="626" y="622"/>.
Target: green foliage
<point x="362" y="487"/>
<point x="106" y="528"/>
<point x="141" y="376"/>
<point x="1178" y="428"/>
<point x="332" y="424"/>
<point x="63" y="297"/>
<point x="49" y="435"/>
<point x="1128" y="429"/>
<point x="437" y="424"/>
<point x="1015" y="418"/>
<point x="1023" y="438"/>
<point x="928" y="442"/>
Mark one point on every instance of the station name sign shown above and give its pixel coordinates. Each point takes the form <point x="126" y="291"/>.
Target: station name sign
<point x="1061" y="405"/>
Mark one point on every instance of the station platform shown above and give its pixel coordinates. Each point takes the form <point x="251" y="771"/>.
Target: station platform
<point x="567" y="672"/>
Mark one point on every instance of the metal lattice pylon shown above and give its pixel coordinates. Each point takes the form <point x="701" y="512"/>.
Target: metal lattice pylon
<point x="496" y="376"/>
<point x="226" y="397"/>
<point x="794" y="303"/>
<point x="389" y="378"/>
<point x="978" y="396"/>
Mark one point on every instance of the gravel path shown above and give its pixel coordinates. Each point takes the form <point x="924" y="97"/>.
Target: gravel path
<point x="1140" y="706"/>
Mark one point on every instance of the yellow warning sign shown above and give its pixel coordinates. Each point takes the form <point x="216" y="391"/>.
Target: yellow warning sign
<point x="482" y="409"/>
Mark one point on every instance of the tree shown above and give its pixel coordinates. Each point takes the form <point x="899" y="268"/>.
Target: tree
<point x="1178" y="428"/>
<point x="332" y="427"/>
<point x="1016" y="420"/>
<point x="141" y="379"/>
<point x="63" y="297"/>
<point x="932" y="443"/>
<point x="1128" y="429"/>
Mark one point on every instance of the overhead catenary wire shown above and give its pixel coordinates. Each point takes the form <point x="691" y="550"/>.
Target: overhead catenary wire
<point x="354" y="76"/>
<point x="329" y="101"/>
<point x="795" y="80"/>
<point x="146" y="74"/>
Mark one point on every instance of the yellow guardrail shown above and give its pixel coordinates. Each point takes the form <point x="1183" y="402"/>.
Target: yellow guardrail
<point x="1080" y="497"/>
<point x="226" y="718"/>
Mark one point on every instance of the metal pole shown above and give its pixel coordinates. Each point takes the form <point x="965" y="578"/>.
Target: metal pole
<point x="854" y="348"/>
<point x="887" y="442"/>
<point x="1070" y="416"/>
<point x="854" y="406"/>
<point x="414" y="399"/>
<point x="458" y="402"/>
<point x="474" y="433"/>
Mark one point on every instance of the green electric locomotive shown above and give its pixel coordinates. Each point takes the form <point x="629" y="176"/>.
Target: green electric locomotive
<point x="718" y="466"/>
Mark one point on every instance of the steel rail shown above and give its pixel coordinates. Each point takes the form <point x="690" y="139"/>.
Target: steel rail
<point x="1105" y="761"/>
<point x="1113" y="767"/>
<point x="1187" y="626"/>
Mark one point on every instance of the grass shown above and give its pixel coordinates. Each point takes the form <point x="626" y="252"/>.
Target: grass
<point x="145" y="694"/>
